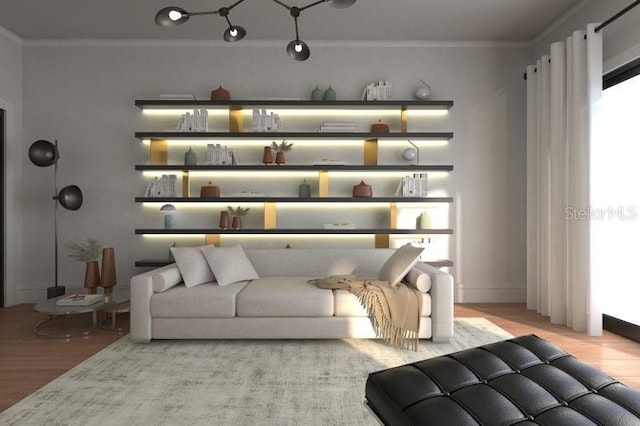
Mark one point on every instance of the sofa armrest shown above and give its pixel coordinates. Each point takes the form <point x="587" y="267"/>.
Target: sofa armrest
<point x="141" y="288"/>
<point x="441" y="302"/>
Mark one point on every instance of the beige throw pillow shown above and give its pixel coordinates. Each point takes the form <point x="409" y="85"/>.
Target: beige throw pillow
<point x="229" y="264"/>
<point x="400" y="262"/>
<point x="192" y="265"/>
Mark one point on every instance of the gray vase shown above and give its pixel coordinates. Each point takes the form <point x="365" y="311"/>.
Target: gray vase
<point x="316" y="94"/>
<point x="190" y="158"/>
<point x="329" y="94"/>
<point x="304" y="190"/>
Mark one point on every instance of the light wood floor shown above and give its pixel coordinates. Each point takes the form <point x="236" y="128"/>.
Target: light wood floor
<point x="28" y="362"/>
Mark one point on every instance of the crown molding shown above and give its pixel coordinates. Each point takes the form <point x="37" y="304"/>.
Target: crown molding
<point x="271" y="43"/>
<point x="11" y="36"/>
<point x="558" y="22"/>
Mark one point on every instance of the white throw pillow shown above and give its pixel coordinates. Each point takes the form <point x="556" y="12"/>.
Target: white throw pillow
<point x="400" y="262"/>
<point x="192" y="265"/>
<point x="229" y="264"/>
<point x="419" y="280"/>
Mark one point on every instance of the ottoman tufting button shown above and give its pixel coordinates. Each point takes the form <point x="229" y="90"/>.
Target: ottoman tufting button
<point x="530" y="417"/>
<point x="565" y="403"/>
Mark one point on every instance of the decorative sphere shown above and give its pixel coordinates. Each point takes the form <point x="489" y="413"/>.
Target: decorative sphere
<point x="422" y="92"/>
<point x="409" y="154"/>
<point x="43" y="153"/>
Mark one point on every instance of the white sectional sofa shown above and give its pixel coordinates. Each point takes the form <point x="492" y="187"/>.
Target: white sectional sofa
<point x="280" y="304"/>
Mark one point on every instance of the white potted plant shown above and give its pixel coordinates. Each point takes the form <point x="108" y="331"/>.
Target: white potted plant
<point x="88" y="253"/>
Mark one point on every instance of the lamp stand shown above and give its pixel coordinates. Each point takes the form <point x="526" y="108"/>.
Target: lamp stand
<point x="56" y="290"/>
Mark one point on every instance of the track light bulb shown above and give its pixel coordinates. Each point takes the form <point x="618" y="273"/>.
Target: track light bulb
<point x="175" y="15"/>
<point x="298" y="47"/>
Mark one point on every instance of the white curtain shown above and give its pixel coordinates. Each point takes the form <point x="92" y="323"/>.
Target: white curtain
<point x="563" y="91"/>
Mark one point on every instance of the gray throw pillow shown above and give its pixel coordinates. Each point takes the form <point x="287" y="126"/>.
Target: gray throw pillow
<point x="399" y="264"/>
<point x="192" y="265"/>
<point x="229" y="264"/>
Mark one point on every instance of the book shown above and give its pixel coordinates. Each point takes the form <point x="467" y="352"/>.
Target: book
<point x="177" y="96"/>
<point x="339" y="226"/>
<point x="79" y="300"/>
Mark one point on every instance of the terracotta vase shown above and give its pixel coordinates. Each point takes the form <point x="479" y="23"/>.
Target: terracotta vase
<point x="224" y="219"/>
<point x="236" y="222"/>
<point x="92" y="277"/>
<point x="108" y="279"/>
<point x="280" y="157"/>
<point x="267" y="155"/>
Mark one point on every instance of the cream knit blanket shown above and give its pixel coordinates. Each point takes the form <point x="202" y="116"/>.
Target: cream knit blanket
<point x="395" y="309"/>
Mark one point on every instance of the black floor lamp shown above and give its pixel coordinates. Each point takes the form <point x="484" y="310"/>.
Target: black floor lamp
<point x="44" y="154"/>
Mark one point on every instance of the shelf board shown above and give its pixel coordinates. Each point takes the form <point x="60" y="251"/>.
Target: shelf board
<point x="295" y="135"/>
<point x="300" y="104"/>
<point x="297" y="168"/>
<point x="295" y="200"/>
<point x="439" y="263"/>
<point x="156" y="263"/>
<point x="294" y="231"/>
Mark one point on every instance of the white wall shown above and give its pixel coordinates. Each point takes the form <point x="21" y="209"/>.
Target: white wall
<point x="621" y="39"/>
<point x="84" y="96"/>
<point x="11" y="101"/>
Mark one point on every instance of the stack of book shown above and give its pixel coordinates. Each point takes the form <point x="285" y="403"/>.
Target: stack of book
<point x="339" y="225"/>
<point x="413" y="186"/>
<point x="166" y="186"/>
<point x="79" y="300"/>
<point x="218" y="155"/>
<point x="198" y="121"/>
<point x="339" y="126"/>
<point x="264" y="121"/>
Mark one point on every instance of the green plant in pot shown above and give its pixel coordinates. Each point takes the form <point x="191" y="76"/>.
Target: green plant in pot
<point x="237" y="213"/>
<point x="281" y="148"/>
<point x="88" y="253"/>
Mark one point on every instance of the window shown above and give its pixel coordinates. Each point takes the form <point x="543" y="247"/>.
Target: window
<point x="616" y="181"/>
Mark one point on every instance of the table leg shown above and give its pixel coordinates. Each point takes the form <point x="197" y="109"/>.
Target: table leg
<point x="113" y="320"/>
<point x="95" y="318"/>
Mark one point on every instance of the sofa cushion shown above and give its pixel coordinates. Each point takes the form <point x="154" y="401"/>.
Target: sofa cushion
<point x="400" y="262"/>
<point x="284" y="297"/>
<point x="229" y="264"/>
<point x="208" y="300"/>
<point x="192" y="265"/>
<point x="347" y="305"/>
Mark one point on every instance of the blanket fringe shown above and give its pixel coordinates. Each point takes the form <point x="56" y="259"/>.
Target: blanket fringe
<point x="382" y="325"/>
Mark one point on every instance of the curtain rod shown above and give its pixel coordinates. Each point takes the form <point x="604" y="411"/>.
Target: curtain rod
<point x="608" y="21"/>
<point x="617" y="15"/>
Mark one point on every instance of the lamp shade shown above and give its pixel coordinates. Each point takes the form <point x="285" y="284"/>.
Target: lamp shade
<point x="43" y="153"/>
<point x="298" y="50"/>
<point x="70" y="197"/>
<point x="234" y="33"/>
<point x="341" y="4"/>
<point x="171" y="16"/>
<point x="168" y="208"/>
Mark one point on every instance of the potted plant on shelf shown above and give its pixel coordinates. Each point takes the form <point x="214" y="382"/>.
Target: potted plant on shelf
<point x="237" y="213"/>
<point x="281" y="148"/>
<point x="88" y="253"/>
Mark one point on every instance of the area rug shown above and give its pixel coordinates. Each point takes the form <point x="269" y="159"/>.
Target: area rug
<point x="229" y="382"/>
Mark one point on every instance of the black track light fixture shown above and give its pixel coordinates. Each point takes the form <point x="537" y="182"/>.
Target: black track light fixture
<point x="173" y="16"/>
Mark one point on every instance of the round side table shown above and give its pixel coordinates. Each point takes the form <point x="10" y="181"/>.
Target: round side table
<point x="115" y="307"/>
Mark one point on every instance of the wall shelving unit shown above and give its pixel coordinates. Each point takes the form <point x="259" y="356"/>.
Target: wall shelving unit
<point x="160" y="144"/>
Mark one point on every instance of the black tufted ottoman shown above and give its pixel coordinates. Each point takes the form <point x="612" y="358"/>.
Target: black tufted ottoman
<point x="524" y="381"/>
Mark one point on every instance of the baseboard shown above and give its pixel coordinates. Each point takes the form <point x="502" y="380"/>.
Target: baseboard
<point x="621" y="328"/>
<point x="490" y="295"/>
